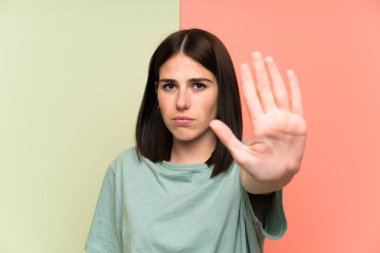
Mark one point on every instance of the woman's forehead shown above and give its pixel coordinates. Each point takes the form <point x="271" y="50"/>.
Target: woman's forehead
<point x="181" y="66"/>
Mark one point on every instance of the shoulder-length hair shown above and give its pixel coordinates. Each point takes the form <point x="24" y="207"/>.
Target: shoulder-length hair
<point x="153" y="139"/>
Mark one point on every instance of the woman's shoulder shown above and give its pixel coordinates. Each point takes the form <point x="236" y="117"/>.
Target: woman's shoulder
<point x="126" y="154"/>
<point x="126" y="158"/>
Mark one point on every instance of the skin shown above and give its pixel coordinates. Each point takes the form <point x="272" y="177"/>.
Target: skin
<point x="274" y="154"/>
<point x="187" y="89"/>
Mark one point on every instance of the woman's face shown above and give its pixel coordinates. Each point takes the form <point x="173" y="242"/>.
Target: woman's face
<point x="187" y="95"/>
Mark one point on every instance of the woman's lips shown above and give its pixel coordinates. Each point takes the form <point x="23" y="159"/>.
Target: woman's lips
<point x="182" y="120"/>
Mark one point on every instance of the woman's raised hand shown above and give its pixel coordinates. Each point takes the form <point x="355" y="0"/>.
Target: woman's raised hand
<point x="279" y="130"/>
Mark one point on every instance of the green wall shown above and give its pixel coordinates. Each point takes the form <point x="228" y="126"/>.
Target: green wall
<point x="72" y="75"/>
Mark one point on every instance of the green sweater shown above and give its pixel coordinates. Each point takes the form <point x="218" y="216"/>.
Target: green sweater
<point x="147" y="207"/>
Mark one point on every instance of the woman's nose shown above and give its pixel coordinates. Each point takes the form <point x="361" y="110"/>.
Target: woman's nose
<point x="183" y="100"/>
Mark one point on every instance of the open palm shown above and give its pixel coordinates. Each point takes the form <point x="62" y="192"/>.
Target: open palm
<point x="279" y="129"/>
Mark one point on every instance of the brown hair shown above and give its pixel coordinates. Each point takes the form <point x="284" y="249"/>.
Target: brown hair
<point x="153" y="139"/>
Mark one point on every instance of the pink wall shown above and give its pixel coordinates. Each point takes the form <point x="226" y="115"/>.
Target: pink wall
<point x="333" y="204"/>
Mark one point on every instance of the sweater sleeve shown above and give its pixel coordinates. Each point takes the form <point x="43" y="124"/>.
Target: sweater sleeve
<point x="105" y="232"/>
<point x="275" y="220"/>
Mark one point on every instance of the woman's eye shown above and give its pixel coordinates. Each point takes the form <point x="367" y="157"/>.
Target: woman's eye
<point x="168" y="86"/>
<point x="199" y="86"/>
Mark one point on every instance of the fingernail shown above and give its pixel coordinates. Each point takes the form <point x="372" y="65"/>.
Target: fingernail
<point x="269" y="59"/>
<point x="290" y="72"/>
<point x="256" y="55"/>
<point x="212" y="123"/>
<point x="244" y="66"/>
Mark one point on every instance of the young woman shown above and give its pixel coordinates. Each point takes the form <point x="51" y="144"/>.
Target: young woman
<point x="191" y="184"/>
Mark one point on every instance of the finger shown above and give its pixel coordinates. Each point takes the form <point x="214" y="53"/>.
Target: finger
<point x="262" y="82"/>
<point x="227" y="137"/>
<point x="278" y="85"/>
<point x="250" y="94"/>
<point x="296" y="100"/>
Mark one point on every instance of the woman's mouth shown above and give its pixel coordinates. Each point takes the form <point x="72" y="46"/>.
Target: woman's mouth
<point x="182" y="120"/>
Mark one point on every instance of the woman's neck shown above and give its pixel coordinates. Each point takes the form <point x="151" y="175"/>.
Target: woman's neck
<point x="194" y="151"/>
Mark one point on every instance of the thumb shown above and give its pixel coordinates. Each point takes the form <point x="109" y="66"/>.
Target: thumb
<point x="227" y="137"/>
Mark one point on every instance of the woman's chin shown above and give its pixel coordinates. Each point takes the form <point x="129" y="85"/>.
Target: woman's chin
<point x="192" y="137"/>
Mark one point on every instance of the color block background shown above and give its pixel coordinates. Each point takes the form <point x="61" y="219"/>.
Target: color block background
<point x="333" y="204"/>
<point x="72" y="74"/>
<point x="71" y="80"/>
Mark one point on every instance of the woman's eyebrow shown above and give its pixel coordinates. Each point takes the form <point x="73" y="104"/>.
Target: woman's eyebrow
<point x="192" y="80"/>
<point x="200" y="79"/>
<point x="166" y="80"/>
